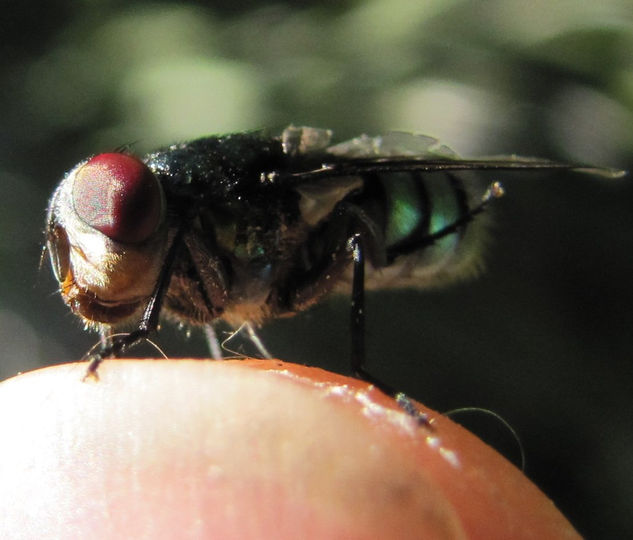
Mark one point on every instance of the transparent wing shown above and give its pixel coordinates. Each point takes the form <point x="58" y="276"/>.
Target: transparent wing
<point x="394" y="143"/>
<point x="398" y="151"/>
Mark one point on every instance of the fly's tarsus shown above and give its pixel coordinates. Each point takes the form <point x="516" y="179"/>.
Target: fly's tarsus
<point x="118" y="344"/>
<point x="409" y="407"/>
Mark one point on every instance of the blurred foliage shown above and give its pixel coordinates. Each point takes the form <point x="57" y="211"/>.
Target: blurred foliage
<point x="543" y="339"/>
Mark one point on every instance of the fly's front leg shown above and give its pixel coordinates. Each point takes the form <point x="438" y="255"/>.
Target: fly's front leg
<point x="357" y="327"/>
<point x="105" y="333"/>
<point x="117" y="345"/>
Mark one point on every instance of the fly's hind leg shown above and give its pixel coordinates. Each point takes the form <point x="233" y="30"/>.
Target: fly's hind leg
<point x="357" y="327"/>
<point x="255" y="340"/>
<point x="357" y="323"/>
<point x="215" y="347"/>
<point x="246" y="328"/>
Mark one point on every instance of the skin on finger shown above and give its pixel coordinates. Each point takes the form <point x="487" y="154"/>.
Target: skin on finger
<point x="245" y="449"/>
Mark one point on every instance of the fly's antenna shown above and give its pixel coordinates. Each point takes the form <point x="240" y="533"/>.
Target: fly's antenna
<point x="501" y="420"/>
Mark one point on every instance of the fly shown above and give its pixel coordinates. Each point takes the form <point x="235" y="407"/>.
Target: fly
<point x="247" y="227"/>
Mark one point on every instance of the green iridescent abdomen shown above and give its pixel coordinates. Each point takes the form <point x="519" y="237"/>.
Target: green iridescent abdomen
<point x="423" y="246"/>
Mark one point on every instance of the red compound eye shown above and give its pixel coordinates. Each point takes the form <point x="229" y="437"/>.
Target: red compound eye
<point x="118" y="195"/>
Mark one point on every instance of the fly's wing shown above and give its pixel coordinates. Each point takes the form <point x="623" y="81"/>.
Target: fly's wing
<point x="341" y="167"/>
<point x="399" y="236"/>
<point x="398" y="157"/>
<point x="400" y="152"/>
<point x="393" y="144"/>
<point x="331" y="172"/>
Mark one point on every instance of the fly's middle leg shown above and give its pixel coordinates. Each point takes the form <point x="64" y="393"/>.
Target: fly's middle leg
<point x="212" y="341"/>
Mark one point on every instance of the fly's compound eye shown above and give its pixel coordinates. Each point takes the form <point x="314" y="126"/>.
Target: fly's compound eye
<point x="119" y="196"/>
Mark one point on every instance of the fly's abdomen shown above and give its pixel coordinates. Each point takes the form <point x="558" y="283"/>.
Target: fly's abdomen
<point x="429" y="236"/>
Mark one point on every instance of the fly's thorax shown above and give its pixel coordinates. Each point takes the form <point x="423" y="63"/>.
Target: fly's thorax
<point x="236" y="251"/>
<point x="259" y="258"/>
<point x="101" y="279"/>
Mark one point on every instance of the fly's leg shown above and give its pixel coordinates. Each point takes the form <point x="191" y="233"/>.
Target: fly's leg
<point x="212" y="342"/>
<point x="357" y="324"/>
<point x="252" y="335"/>
<point x="118" y="344"/>
<point x="357" y="314"/>
<point x="247" y="327"/>
<point x="105" y="335"/>
<point x="494" y="191"/>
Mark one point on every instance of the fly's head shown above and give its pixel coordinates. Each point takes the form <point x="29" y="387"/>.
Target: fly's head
<point x="106" y="236"/>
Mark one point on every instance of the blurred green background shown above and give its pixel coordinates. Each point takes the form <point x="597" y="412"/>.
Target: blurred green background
<point x="543" y="338"/>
